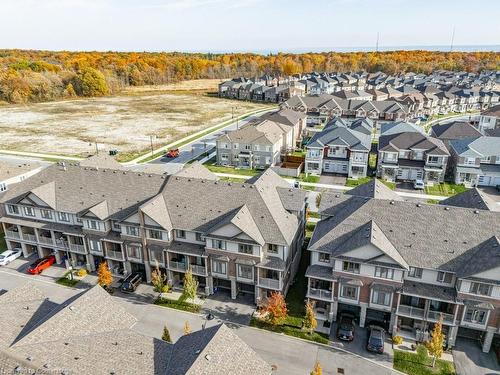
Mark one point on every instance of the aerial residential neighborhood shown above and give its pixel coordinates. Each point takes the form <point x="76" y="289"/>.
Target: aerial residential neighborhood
<point x="250" y="188"/>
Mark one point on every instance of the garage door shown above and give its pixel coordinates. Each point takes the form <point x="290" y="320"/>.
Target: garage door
<point x="403" y="174"/>
<point x="496" y="181"/>
<point x="335" y="167"/>
<point x="484" y="180"/>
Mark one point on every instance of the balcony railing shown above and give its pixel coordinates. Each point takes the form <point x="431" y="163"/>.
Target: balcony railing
<point x="62" y="243"/>
<point x="77" y="248"/>
<point x="177" y="265"/>
<point x="118" y="255"/>
<point x="199" y="270"/>
<point x="46" y="240"/>
<point x="134" y="255"/>
<point x="12" y="234"/>
<point x="434" y="315"/>
<point x="156" y="256"/>
<point x="411" y="311"/>
<point x="269" y="283"/>
<point x="320" y="293"/>
<point x="29" y="237"/>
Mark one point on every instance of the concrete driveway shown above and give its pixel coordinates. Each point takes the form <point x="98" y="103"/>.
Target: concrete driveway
<point x="332" y="179"/>
<point x="469" y="359"/>
<point x="358" y="346"/>
<point x="221" y="305"/>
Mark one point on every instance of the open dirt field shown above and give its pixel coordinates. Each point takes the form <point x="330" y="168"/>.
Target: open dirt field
<point x="122" y="122"/>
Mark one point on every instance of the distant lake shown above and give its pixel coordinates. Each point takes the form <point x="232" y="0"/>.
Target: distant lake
<point x="443" y="48"/>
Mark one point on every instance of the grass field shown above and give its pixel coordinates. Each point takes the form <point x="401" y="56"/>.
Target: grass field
<point x="413" y="364"/>
<point x="123" y="122"/>
<point x="445" y="189"/>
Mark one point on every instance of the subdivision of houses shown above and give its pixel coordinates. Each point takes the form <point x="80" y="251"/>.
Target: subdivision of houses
<point x="405" y="265"/>
<point x="339" y="148"/>
<point x="476" y="161"/>
<point x="239" y="237"/>
<point x="411" y="156"/>
<point x="91" y="333"/>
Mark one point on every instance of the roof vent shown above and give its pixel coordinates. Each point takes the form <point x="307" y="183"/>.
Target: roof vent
<point x="72" y="308"/>
<point x="207" y="357"/>
<point x="391" y="202"/>
<point x="476" y="211"/>
<point x="77" y="358"/>
<point x="197" y="351"/>
<point x="447" y="208"/>
<point x="419" y="205"/>
<point x="139" y="174"/>
<point x="29" y="358"/>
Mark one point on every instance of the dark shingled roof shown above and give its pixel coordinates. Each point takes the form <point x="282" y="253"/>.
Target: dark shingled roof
<point x="426" y="235"/>
<point x="455" y="130"/>
<point x="473" y="198"/>
<point x="374" y="189"/>
<point x="436" y="292"/>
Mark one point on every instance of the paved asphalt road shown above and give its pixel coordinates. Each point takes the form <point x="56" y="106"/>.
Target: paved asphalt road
<point x="193" y="150"/>
<point x="291" y="356"/>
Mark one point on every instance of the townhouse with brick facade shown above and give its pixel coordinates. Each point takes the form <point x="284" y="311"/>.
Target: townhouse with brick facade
<point x="404" y="265"/>
<point x="239" y="237"/>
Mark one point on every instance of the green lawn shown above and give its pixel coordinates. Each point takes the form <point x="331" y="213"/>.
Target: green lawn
<point x="412" y="364"/>
<point x="310" y="178"/>
<point x="360" y="181"/>
<point x="356" y="182"/>
<point x="445" y="189"/>
<point x="67" y="282"/>
<point x="178" y="305"/>
<point x="230" y="170"/>
<point x="300" y="153"/>
<point x="3" y="245"/>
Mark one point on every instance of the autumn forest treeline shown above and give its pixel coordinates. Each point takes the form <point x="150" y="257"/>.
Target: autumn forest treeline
<point x="35" y="76"/>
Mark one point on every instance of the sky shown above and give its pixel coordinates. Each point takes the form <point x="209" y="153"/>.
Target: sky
<point x="261" y="26"/>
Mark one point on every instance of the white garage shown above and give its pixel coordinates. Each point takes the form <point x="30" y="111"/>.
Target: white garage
<point x="488" y="181"/>
<point x="333" y="167"/>
<point x="411" y="174"/>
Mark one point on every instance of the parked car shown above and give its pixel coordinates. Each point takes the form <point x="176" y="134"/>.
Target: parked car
<point x="376" y="338"/>
<point x="131" y="283"/>
<point x="172" y="153"/>
<point x="9" y="255"/>
<point x="40" y="264"/>
<point x="419" y="185"/>
<point x="345" y="329"/>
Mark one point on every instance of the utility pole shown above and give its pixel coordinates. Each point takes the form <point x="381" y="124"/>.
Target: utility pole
<point x="151" y="141"/>
<point x="96" y="149"/>
<point x="452" y="39"/>
<point x="378" y="36"/>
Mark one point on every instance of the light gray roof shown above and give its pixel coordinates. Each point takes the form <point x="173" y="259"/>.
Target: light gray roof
<point x="77" y="189"/>
<point x="472" y="198"/>
<point x="101" y="160"/>
<point x="214" y="351"/>
<point x="197" y="204"/>
<point x="426" y="235"/>
<point x="74" y="335"/>
<point x="389" y="128"/>
<point x="374" y="189"/>
<point x="493" y="111"/>
<point x="475" y="147"/>
<point x="321" y="272"/>
<point x="9" y="170"/>
<point x="197" y="170"/>
<point x="336" y="134"/>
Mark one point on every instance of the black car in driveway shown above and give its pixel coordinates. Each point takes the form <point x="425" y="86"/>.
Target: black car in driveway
<point x="131" y="282"/>
<point x="376" y="338"/>
<point x="345" y="329"/>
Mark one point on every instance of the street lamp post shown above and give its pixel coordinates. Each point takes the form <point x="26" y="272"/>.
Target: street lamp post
<point x="208" y="317"/>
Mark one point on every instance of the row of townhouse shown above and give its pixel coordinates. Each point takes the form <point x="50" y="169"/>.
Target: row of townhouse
<point x="405" y="265"/>
<point x="342" y="147"/>
<point x="233" y="236"/>
<point x="261" y="143"/>
<point x="322" y="108"/>
<point x="423" y="95"/>
<point x="378" y="84"/>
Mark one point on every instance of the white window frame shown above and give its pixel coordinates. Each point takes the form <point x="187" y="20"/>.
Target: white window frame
<point x="180" y="233"/>
<point x="215" y="266"/>
<point x="29" y="211"/>
<point x="384" y="272"/>
<point x="132" y="230"/>
<point x="13" y="209"/>
<point x="378" y="295"/>
<point x="443" y="275"/>
<point x="415" y="272"/>
<point x="349" y="287"/>
<point x="243" y="275"/>
<point x="46" y="214"/>
<point x="63" y="216"/>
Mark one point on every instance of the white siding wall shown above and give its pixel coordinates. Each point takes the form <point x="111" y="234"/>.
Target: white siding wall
<point x="465" y="287"/>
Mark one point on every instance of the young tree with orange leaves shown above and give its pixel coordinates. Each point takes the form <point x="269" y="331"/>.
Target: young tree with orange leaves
<point x="275" y="309"/>
<point x="104" y="276"/>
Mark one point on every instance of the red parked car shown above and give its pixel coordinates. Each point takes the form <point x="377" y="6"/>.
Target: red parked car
<point x="172" y="153"/>
<point x="40" y="264"/>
